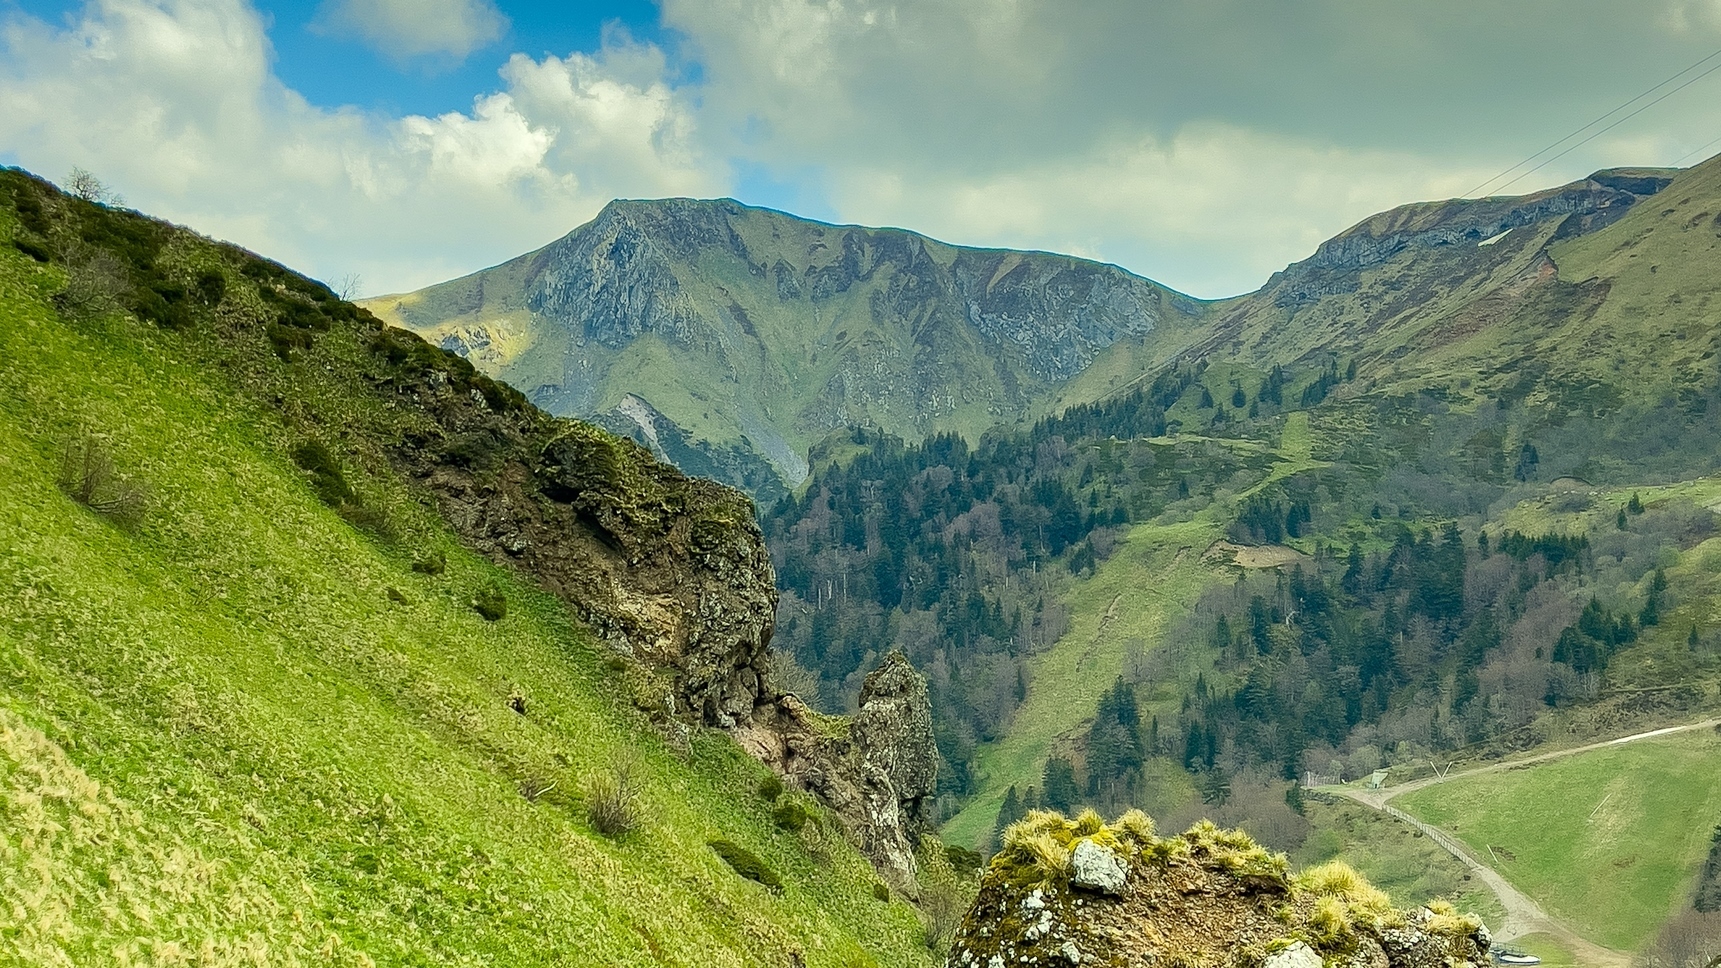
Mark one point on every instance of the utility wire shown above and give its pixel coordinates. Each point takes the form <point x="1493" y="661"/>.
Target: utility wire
<point x="1472" y="192"/>
<point x="1697" y="151"/>
<point x="1616" y="124"/>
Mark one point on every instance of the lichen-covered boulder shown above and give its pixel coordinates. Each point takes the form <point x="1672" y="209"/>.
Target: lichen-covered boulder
<point x="1097" y="868"/>
<point x="1052" y="896"/>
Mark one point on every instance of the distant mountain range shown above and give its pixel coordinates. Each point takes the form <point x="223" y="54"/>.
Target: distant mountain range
<point x="732" y="339"/>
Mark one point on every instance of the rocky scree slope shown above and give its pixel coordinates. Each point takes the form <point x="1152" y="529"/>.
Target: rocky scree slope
<point x="669" y="570"/>
<point x="756" y="333"/>
<point x="1083" y="892"/>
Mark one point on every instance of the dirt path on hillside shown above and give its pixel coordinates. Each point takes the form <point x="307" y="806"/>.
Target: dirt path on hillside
<point x="1523" y="915"/>
<point x="1376" y="798"/>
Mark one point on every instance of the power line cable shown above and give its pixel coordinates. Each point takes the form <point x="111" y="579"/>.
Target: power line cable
<point x="1697" y="151"/>
<point x="1604" y="116"/>
<point x="1614" y="125"/>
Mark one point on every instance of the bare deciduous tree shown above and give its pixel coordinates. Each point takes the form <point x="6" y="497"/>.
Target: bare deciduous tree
<point x="349" y="286"/>
<point x="96" y="282"/>
<point x="88" y="476"/>
<point x="85" y="185"/>
<point x="792" y="677"/>
<point x="945" y="894"/>
<point x="1690" y="940"/>
<point x="613" y="797"/>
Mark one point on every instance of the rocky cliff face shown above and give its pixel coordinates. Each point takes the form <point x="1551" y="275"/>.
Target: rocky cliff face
<point x="619" y="278"/>
<point x="750" y="332"/>
<point x="1082" y="892"/>
<point x="670" y="571"/>
<point x="876" y="771"/>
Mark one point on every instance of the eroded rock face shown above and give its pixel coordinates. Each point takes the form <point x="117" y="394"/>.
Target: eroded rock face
<point x="672" y="572"/>
<point x="1071" y="893"/>
<point x="875" y="771"/>
<point x="668" y="569"/>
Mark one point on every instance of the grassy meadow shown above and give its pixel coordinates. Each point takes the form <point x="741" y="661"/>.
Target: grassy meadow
<point x="1608" y="840"/>
<point x="243" y="731"/>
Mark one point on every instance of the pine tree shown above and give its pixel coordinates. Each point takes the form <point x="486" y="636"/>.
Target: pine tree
<point x="1651" y="612"/>
<point x="1059" y="790"/>
<point x="1008" y="814"/>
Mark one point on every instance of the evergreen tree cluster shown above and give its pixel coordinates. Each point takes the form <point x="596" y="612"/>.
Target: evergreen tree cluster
<point x="946" y="551"/>
<point x="1355" y="637"/>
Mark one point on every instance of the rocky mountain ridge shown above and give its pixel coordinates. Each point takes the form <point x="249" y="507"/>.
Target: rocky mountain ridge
<point x="1335" y="267"/>
<point x="751" y="334"/>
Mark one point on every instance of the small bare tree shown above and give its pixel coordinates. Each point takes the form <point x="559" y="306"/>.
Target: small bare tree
<point x="792" y="677"/>
<point x="1691" y="940"/>
<point x="349" y="286"/>
<point x="946" y="894"/>
<point x="88" y="476"/>
<point x="96" y="282"/>
<point x="85" y="185"/>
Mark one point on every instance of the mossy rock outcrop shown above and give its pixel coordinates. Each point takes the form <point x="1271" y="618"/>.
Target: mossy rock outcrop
<point x="1084" y="892"/>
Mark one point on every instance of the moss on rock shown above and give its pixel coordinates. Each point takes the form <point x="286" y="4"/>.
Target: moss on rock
<point x="1208" y="896"/>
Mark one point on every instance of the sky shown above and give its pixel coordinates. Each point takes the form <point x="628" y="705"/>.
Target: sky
<point x="1201" y="143"/>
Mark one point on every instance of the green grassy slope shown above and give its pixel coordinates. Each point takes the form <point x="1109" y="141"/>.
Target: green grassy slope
<point x="1153" y="578"/>
<point x="1575" y="327"/>
<point x="1607" y="840"/>
<point x="222" y="742"/>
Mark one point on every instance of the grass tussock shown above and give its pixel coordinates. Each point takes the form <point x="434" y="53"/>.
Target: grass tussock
<point x="1038" y="847"/>
<point x="613" y="798"/>
<point x="1233" y="851"/>
<point x="1342" y="903"/>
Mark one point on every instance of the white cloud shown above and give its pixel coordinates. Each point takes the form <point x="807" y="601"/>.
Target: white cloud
<point x="411" y="28"/>
<point x="1203" y="144"/>
<point x="173" y="103"/>
<point x="1212" y="210"/>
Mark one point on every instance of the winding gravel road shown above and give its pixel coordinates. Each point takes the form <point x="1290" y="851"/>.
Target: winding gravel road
<point x="1523" y="915"/>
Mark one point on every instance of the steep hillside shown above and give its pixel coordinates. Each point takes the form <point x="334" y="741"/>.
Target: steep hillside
<point x="1414" y="500"/>
<point x="732" y="338"/>
<point x="278" y="686"/>
<point x="1582" y="318"/>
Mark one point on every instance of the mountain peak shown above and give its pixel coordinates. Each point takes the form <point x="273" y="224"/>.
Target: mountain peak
<point x="756" y="333"/>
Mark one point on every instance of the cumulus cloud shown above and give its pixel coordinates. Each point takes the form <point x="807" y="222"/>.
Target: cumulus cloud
<point x="411" y="28"/>
<point x="173" y="102"/>
<point x="1203" y="143"/>
<point x="1213" y="210"/>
